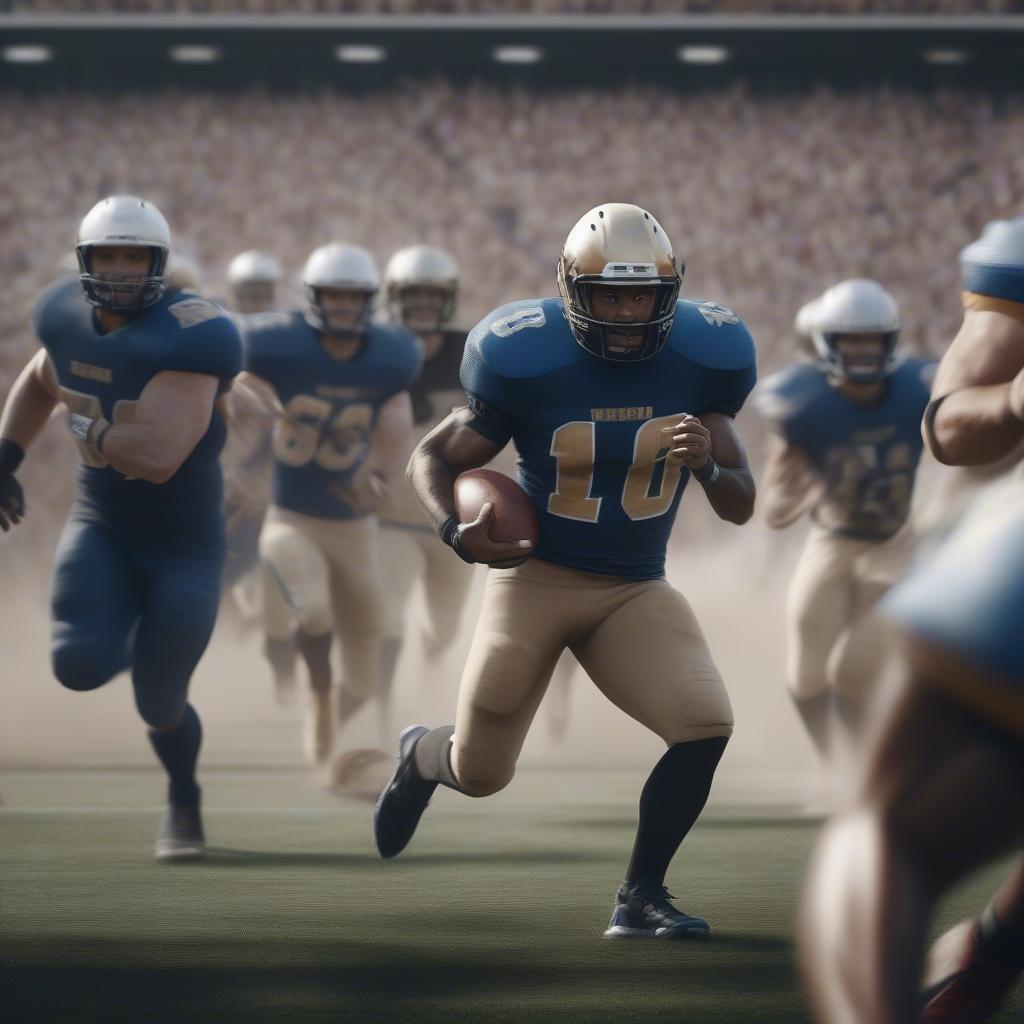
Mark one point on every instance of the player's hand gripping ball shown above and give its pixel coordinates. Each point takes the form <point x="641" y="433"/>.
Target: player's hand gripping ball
<point x="499" y="522"/>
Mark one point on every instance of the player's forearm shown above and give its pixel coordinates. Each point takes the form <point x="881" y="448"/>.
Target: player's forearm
<point x="732" y="494"/>
<point x="973" y="426"/>
<point x="433" y="482"/>
<point x="27" y="409"/>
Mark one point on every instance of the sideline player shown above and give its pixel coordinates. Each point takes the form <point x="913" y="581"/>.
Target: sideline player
<point x="343" y="434"/>
<point x="137" y="575"/>
<point x="615" y="394"/>
<point x="848" y="450"/>
<point x="253" y="278"/>
<point x="421" y="288"/>
<point x="944" y="792"/>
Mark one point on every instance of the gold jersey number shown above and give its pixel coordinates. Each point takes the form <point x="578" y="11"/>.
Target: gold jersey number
<point x="89" y="405"/>
<point x="311" y="431"/>
<point x="574" y="447"/>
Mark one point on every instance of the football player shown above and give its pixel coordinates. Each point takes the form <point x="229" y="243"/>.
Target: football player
<point x="615" y="395"/>
<point x="421" y="288"/>
<point x="849" y="445"/>
<point x="343" y="434"/>
<point x="944" y="792"/>
<point x="253" y="277"/>
<point x="137" y="575"/>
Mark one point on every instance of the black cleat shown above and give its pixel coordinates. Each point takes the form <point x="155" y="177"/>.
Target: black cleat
<point x="642" y="911"/>
<point x="404" y="799"/>
<point x="181" y="834"/>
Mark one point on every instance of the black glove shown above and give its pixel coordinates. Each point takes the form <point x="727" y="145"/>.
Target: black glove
<point x="12" y="498"/>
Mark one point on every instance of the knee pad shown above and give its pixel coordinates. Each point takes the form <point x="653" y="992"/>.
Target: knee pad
<point x="84" y="665"/>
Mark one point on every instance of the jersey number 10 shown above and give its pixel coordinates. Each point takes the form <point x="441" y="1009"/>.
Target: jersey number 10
<point x="574" y="447"/>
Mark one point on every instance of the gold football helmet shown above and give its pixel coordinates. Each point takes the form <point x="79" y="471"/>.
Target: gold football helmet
<point x="616" y="245"/>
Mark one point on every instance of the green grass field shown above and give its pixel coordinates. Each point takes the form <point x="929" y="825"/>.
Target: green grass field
<point x="495" y="912"/>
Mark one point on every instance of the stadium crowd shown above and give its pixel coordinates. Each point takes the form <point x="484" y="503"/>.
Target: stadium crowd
<point x="312" y="7"/>
<point x="769" y="198"/>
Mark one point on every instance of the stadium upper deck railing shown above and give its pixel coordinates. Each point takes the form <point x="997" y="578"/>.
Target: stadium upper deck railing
<point x="500" y="8"/>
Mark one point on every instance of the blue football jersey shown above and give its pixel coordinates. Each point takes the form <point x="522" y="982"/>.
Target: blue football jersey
<point x="104" y="375"/>
<point x="867" y="455"/>
<point x="994" y="264"/>
<point x="589" y="431"/>
<point x="330" y="405"/>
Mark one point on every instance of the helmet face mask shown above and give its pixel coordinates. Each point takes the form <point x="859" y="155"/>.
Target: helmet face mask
<point x="425" y="308"/>
<point x="111" y="237"/>
<point x="858" y="357"/>
<point x="616" y="247"/>
<point x="343" y="313"/>
<point x="616" y="340"/>
<point x="253" y="296"/>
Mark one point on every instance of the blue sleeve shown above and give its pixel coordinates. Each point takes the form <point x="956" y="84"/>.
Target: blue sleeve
<point x="994" y="264"/>
<point x="485" y="393"/>
<point x="730" y="388"/>
<point x="206" y="340"/>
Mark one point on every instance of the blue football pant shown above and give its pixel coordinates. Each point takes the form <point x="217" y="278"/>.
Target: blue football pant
<point x="124" y="602"/>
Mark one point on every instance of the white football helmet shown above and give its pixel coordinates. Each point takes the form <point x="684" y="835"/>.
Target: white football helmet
<point x="183" y="272"/>
<point x="347" y="268"/>
<point x="253" y="277"/>
<point x="856" y="306"/>
<point x="421" y="266"/>
<point x="123" y="221"/>
<point x="613" y="245"/>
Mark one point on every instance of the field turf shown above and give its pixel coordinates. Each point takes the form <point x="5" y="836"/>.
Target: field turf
<point x="495" y="912"/>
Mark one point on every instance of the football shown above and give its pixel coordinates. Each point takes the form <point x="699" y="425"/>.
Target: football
<point x="514" y="516"/>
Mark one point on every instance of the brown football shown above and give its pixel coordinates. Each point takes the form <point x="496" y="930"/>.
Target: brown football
<point x="514" y="516"/>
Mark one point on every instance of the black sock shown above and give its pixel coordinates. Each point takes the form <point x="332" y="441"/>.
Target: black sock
<point x="999" y="943"/>
<point x="672" y="798"/>
<point x="178" y="750"/>
<point x="316" y="653"/>
<point x="816" y="713"/>
<point x="433" y="757"/>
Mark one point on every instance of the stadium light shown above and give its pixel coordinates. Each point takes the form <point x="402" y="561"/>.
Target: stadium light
<point x="25" y="54"/>
<point x="360" y="54"/>
<point x="702" y="54"/>
<point x="195" y="54"/>
<point x="518" y="54"/>
<point x="946" y="56"/>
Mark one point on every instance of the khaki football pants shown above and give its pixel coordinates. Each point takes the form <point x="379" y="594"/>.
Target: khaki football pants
<point x="638" y="641"/>
<point x="414" y="553"/>
<point x="325" y="574"/>
<point x="835" y="639"/>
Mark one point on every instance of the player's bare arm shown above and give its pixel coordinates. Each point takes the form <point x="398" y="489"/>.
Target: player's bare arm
<point x="26" y="412"/>
<point x="393" y="437"/>
<point x="977" y="411"/>
<point x="790" y="484"/>
<point x="172" y="415"/>
<point x="712" y="451"/>
<point x="450" y="449"/>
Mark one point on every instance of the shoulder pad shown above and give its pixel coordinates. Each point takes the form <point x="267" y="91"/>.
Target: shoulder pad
<point x="994" y="264"/>
<point x="525" y="339"/>
<point x="917" y="372"/>
<point x="784" y="396"/>
<point x="396" y="346"/>
<point x="712" y="335"/>
<point x="62" y="299"/>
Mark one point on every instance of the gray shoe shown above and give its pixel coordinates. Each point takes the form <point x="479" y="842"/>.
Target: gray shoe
<point x="181" y="834"/>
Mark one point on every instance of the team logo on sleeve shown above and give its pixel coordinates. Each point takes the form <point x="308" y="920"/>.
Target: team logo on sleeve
<point x="716" y="314"/>
<point x="190" y="312"/>
<point x="531" y="317"/>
